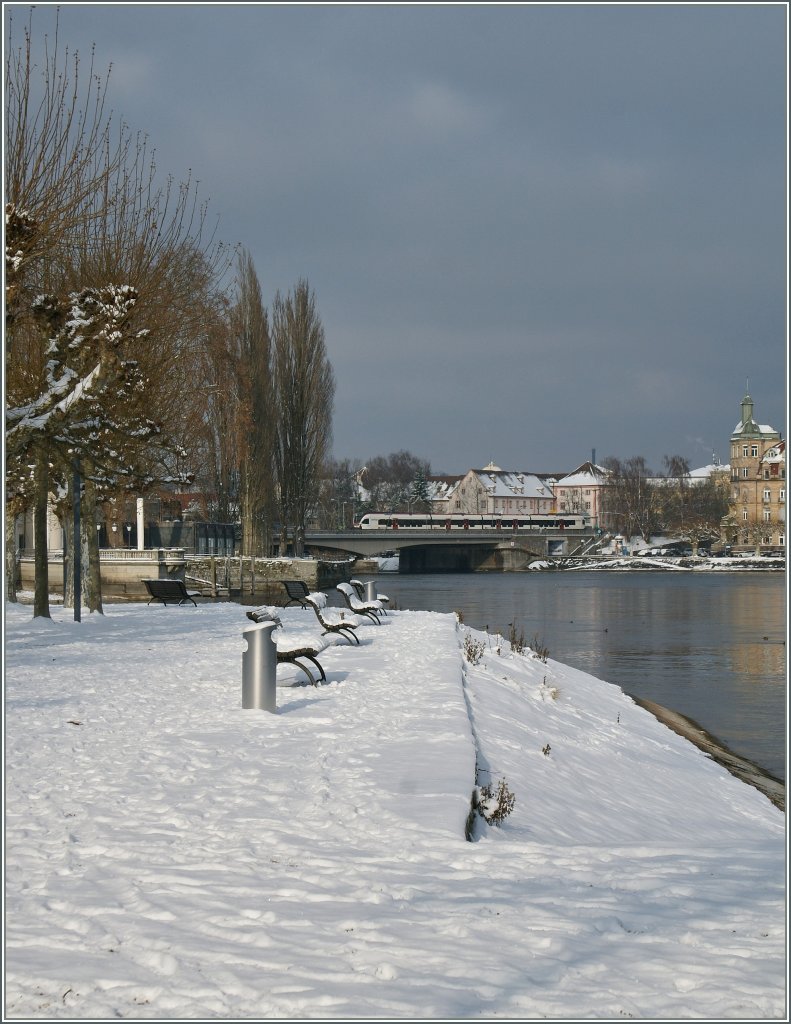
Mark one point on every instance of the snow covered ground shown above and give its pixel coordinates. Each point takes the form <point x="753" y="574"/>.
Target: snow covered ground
<point x="169" y="855"/>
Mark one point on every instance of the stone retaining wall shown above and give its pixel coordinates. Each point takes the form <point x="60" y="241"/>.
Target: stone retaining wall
<point x="260" y="577"/>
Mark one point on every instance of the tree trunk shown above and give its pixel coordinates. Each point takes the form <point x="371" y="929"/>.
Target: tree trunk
<point x="10" y="553"/>
<point x="67" y="524"/>
<point x="89" y="543"/>
<point x="40" y="496"/>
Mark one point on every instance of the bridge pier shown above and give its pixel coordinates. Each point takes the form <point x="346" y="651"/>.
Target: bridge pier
<point x="437" y="551"/>
<point x="465" y="558"/>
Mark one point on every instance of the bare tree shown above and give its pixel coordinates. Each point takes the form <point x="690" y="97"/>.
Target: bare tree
<point x="340" y="493"/>
<point x="390" y="480"/>
<point x="631" y="501"/>
<point x="60" y="154"/>
<point x="59" y="151"/>
<point x="85" y="218"/>
<point x="304" y="390"/>
<point x="691" y="510"/>
<point x="250" y="333"/>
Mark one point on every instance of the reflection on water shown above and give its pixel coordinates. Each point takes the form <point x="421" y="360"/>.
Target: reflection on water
<point x="709" y="646"/>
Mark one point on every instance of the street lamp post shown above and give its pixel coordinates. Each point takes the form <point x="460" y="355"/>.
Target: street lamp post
<point x="129" y="535"/>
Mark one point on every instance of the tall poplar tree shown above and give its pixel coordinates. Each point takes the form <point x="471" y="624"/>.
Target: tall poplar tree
<point x="304" y="392"/>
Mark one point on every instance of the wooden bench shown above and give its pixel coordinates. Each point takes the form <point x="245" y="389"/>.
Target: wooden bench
<point x="342" y="628"/>
<point x="297" y="592"/>
<point x="370" y="610"/>
<point x="170" y="591"/>
<point x="293" y="654"/>
<point x="359" y="586"/>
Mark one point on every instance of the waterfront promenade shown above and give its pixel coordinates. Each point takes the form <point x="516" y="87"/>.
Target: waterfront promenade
<point x="169" y="855"/>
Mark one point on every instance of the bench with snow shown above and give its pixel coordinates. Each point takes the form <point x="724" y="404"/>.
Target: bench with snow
<point x="289" y="651"/>
<point x="345" y="628"/>
<point x="297" y="592"/>
<point x="170" y="591"/>
<point x="370" y="609"/>
<point x="359" y="586"/>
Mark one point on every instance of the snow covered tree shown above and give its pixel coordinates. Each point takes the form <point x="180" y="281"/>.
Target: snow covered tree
<point x="88" y="407"/>
<point x="83" y="213"/>
<point x="420" y="497"/>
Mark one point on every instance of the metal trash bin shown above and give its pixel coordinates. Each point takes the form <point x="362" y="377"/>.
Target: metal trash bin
<point x="370" y="591"/>
<point x="259" y="668"/>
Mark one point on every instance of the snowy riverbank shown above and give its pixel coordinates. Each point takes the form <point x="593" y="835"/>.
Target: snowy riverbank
<point x="170" y="855"/>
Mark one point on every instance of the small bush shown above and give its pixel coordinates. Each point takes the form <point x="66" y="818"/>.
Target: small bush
<point x="548" y="691"/>
<point x="473" y="649"/>
<point x="538" y="648"/>
<point x="494" y="806"/>
<point x="545" y="750"/>
<point x="516" y="639"/>
<point x="459" y="615"/>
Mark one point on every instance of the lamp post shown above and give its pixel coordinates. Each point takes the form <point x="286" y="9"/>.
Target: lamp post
<point x="98" y="535"/>
<point x="115" y="531"/>
<point x="129" y="535"/>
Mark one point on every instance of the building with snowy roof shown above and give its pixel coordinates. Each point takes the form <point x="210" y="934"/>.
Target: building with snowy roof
<point x="582" y="491"/>
<point x="757" y="478"/>
<point x="493" y="491"/>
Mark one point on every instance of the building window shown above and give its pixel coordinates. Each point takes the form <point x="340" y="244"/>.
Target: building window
<point x="767" y="494"/>
<point x="745" y="450"/>
<point x="754" y="451"/>
<point x="734" y="451"/>
<point x="588" y="505"/>
<point x="767" y="515"/>
<point x="744" y="514"/>
<point x="782" y="495"/>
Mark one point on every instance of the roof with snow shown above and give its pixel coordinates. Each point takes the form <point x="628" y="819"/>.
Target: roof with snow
<point x="777" y="453"/>
<point x="510" y="484"/>
<point x="587" y="474"/>
<point x="440" y="488"/>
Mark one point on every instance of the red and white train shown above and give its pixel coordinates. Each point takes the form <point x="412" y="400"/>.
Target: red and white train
<point x="457" y="521"/>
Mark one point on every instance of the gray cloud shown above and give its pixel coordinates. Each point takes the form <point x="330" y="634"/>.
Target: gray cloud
<point x="531" y="230"/>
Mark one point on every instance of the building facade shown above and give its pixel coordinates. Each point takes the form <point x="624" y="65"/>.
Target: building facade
<point x="492" y="491"/>
<point x="582" y="491"/>
<point x="757" y="481"/>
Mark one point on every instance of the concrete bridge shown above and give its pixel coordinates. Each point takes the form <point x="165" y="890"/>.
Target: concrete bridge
<point x="453" y="550"/>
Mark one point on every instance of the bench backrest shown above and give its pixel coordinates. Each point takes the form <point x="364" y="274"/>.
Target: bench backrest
<point x="296" y="588"/>
<point x="166" y="586"/>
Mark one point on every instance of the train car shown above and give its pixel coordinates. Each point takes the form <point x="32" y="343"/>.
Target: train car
<point x="458" y="521"/>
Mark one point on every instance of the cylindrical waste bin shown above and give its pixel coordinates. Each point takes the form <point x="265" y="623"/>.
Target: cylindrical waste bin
<point x="370" y="591"/>
<point x="259" y="668"/>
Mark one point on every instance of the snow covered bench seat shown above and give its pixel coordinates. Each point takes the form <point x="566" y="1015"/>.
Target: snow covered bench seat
<point x="359" y="586"/>
<point x="370" y="609"/>
<point x="292" y="648"/>
<point x="345" y="627"/>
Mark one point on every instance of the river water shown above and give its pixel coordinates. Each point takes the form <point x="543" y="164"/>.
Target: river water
<point x="708" y="645"/>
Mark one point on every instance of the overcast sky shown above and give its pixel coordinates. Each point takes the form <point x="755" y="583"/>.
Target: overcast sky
<point x="532" y="231"/>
